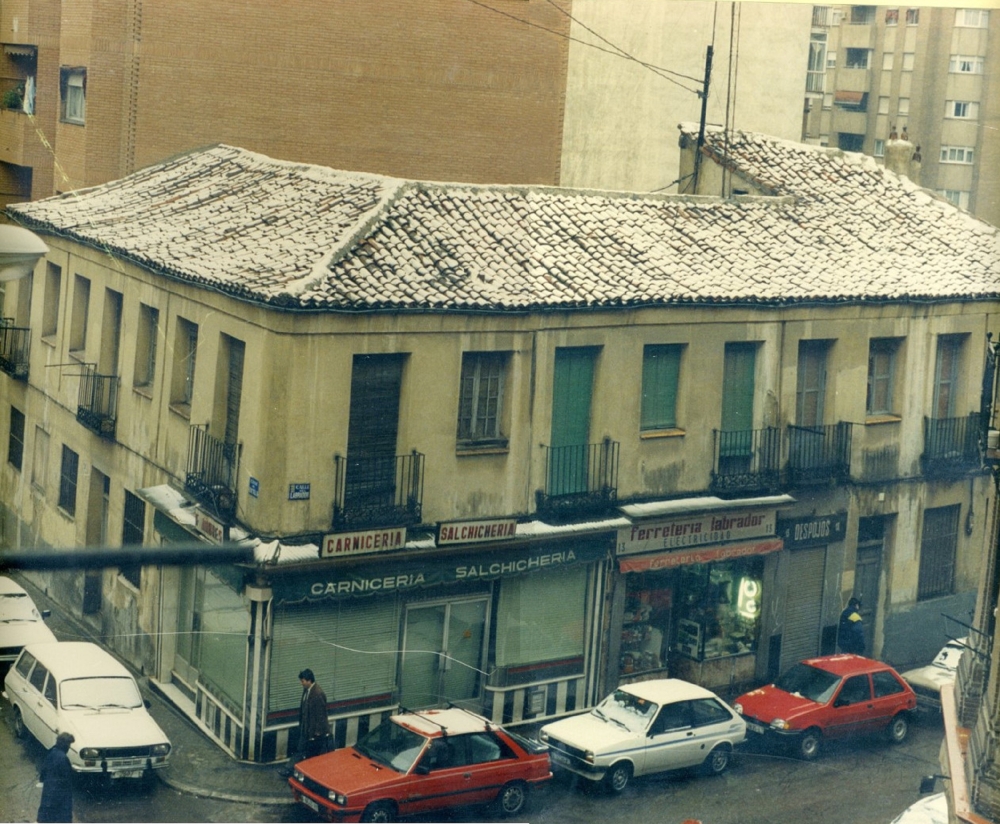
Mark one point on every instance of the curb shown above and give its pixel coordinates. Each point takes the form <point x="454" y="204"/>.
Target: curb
<point x="218" y="795"/>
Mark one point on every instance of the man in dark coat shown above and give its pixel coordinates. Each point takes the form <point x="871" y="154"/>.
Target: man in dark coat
<point x="851" y="633"/>
<point x="314" y="726"/>
<point x="57" y="782"/>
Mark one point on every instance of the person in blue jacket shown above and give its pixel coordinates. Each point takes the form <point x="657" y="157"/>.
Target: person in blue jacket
<point x="851" y="633"/>
<point x="57" y="782"/>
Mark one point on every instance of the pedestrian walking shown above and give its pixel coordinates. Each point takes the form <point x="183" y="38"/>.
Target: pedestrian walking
<point x="851" y="632"/>
<point x="57" y="782"/>
<point x="314" y="725"/>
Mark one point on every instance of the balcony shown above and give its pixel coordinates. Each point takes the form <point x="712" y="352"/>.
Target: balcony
<point x="212" y="472"/>
<point x="952" y="445"/>
<point x="747" y="461"/>
<point x="384" y="490"/>
<point x="14" y="345"/>
<point x="97" y="404"/>
<point x="819" y="454"/>
<point x="579" y="479"/>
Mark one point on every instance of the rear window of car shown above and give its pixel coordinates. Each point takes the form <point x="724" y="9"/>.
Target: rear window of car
<point x="885" y="683"/>
<point x="708" y="711"/>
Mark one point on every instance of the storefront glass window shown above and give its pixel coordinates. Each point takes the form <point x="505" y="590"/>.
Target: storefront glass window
<point x="541" y="617"/>
<point x="698" y="612"/>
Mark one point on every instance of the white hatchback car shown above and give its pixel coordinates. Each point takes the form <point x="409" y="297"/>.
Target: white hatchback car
<point x="643" y="728"/>
<point x="928" y="680"/>
<point x="79" y="688"/>
<point x="20" y="622"/>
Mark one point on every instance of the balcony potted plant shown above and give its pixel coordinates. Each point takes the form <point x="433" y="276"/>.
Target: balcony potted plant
<point x="13" y="98"/>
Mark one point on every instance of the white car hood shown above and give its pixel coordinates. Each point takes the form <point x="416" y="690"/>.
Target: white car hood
<point x="930" y="676"/>
<point x="588" y="732"/>
<point x="112" y="728"/>
<point x="21" y="633"/>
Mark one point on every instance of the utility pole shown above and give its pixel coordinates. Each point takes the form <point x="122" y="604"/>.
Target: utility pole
<point x="704" y="114"/>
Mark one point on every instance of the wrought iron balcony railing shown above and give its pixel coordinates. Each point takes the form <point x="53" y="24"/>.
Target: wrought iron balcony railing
<point x="97" y="403"/>
<point x="819" y="454"/>
<point x="382" y="490"/>
<point x="579" y="478"/>
<point x="212" y="472"/>
<point x="747" y="461"/>
<point x="14" y="347"/>
<point x="952" y="445"/>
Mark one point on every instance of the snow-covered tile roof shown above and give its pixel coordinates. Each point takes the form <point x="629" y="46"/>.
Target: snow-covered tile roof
<point x="840" y="227"/>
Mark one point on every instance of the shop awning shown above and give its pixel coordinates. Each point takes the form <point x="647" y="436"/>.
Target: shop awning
<point x="15" y="50"/>
<point x="700" y="555"/>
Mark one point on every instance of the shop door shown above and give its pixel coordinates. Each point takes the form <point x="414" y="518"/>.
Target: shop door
<point x="803" y="605"/>
<point x="867" y="571"/>
<point x="443" y="652"/>
<point x="572" y="386"/>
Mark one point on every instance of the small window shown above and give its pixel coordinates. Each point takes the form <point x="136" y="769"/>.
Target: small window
<point x="850" y="142"/>
<point x="962" y="109"/>
<point x="78" y="323"/>
<point x="957" y="154"/>
<point x="862" y="15"/>
<point x="133" y="533"/>
<point x="660" y="373"/>
<point x="885" y="684"/>
<point x="881" y="375"/>
<point x="883" y="105"/>
<point x="831" y="59"/>
<point x="821" y="16"/>
<point x="50" y="311"/>
<point x="145" y="346"/>
<point x="67" y="480"/>
<point x="15" y="443"/>
<point x="857" y="58"/>
<point x="185" y="355"/>
<point x="892" y="17"/>
<point x="908" y="61"/>
<point x="827" y="102"/>
<point x="938" y="545"/>
<point x="887" y="61"/>
<point x="965" y="64"/>
<point x="903" y="106"/>
<point x="481" y="396"/>
<point x="879" y="148"/>
<point x="912" y="17"/>
<point x="73" y="91"/>
<point x="972" y="18"/>
<point x="956" y="197"/>
<point x="705" y="711"/>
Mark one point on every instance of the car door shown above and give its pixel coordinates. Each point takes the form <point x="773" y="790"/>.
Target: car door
<point x="33" y="706"/>
<point x="889" y="697"/>
<point x="712" y="723"/>
<point x="671" y="742"/>
<point x="48" y="712"/>
<point x="850" y="708"/>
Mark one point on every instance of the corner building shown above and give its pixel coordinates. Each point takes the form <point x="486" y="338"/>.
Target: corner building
<point x="502" y="446"/>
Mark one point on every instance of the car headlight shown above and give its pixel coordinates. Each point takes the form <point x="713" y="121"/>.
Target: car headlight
<point x="588" y="756"/>
<point x="160" y="750"/>
<point x="298" y="776"/>
<point x="738" y="708"/>
<point x="544" y="736"/>
<point x="337" y="798"/>
<point x="90" y="753"/>
<point x="779" y="724"/>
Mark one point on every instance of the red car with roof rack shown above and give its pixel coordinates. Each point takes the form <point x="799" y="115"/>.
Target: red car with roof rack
<point x="833" y="696"/>
<point x="421" y="762"/>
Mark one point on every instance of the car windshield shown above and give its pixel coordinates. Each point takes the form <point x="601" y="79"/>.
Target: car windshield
<point x="99" y="693"/>
<point x="809" y="682"/>
<point x="393" y="745"/>
<point x="626" y="710"/>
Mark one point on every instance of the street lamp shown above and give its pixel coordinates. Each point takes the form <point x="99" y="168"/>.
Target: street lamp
<point x="20" y="250"/>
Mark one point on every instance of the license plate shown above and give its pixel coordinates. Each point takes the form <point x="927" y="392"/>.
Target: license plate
<point x="559" y="758"/>
<point x="312" y="805"/>
<point x="127" y="774"/>
<point x="757" y="728"/>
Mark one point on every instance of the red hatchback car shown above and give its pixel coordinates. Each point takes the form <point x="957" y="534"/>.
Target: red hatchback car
<point x="420" y="762"/>
<point x="830" y="697"/>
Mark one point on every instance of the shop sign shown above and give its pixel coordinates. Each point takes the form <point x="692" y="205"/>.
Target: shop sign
<point x="339" y="581"/>
<point x="366" y="541"/>
<point x="813" y="531"/>
<point x="695" y="530"/>
<point x="209" y="527"/>
<point x="476" y="532"/>
<point x="669" y="560"/>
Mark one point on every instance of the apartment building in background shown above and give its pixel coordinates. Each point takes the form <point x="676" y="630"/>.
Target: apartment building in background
<point x="533" y="91"/>
<point x="561" y="439"/>
<point x="929" y="75"/>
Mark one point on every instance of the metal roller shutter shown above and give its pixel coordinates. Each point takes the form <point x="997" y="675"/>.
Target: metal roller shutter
<point x="803" y="605"/>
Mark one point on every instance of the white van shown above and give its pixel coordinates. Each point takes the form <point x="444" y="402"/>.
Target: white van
<point x="79" y="688"/>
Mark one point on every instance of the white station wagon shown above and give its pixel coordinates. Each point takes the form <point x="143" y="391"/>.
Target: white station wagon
<point x="644" y="728"/>
<point x="79" y="688"/>
<point x="20" y="622"/>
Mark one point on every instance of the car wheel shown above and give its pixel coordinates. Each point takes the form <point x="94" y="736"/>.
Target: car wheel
<point x="898" y="728"/>
<point x="618" y="777"/>
<point x="809" y="744"/>
<point x="379" y="811"/>
<point x="20" y="730"/>
<point x="512" y="799"/>
<point x="717" y="761"/>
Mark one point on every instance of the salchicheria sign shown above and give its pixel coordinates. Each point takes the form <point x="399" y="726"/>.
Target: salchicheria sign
<point x="396" y="575"/>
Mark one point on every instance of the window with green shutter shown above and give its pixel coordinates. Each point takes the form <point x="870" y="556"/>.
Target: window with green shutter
<point x="660" y="372"/>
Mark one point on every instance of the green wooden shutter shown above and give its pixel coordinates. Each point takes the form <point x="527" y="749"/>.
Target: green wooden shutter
<point x="660" y="371"/>
<point x="572" y="385"/>
<point x="737" y="399"/>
